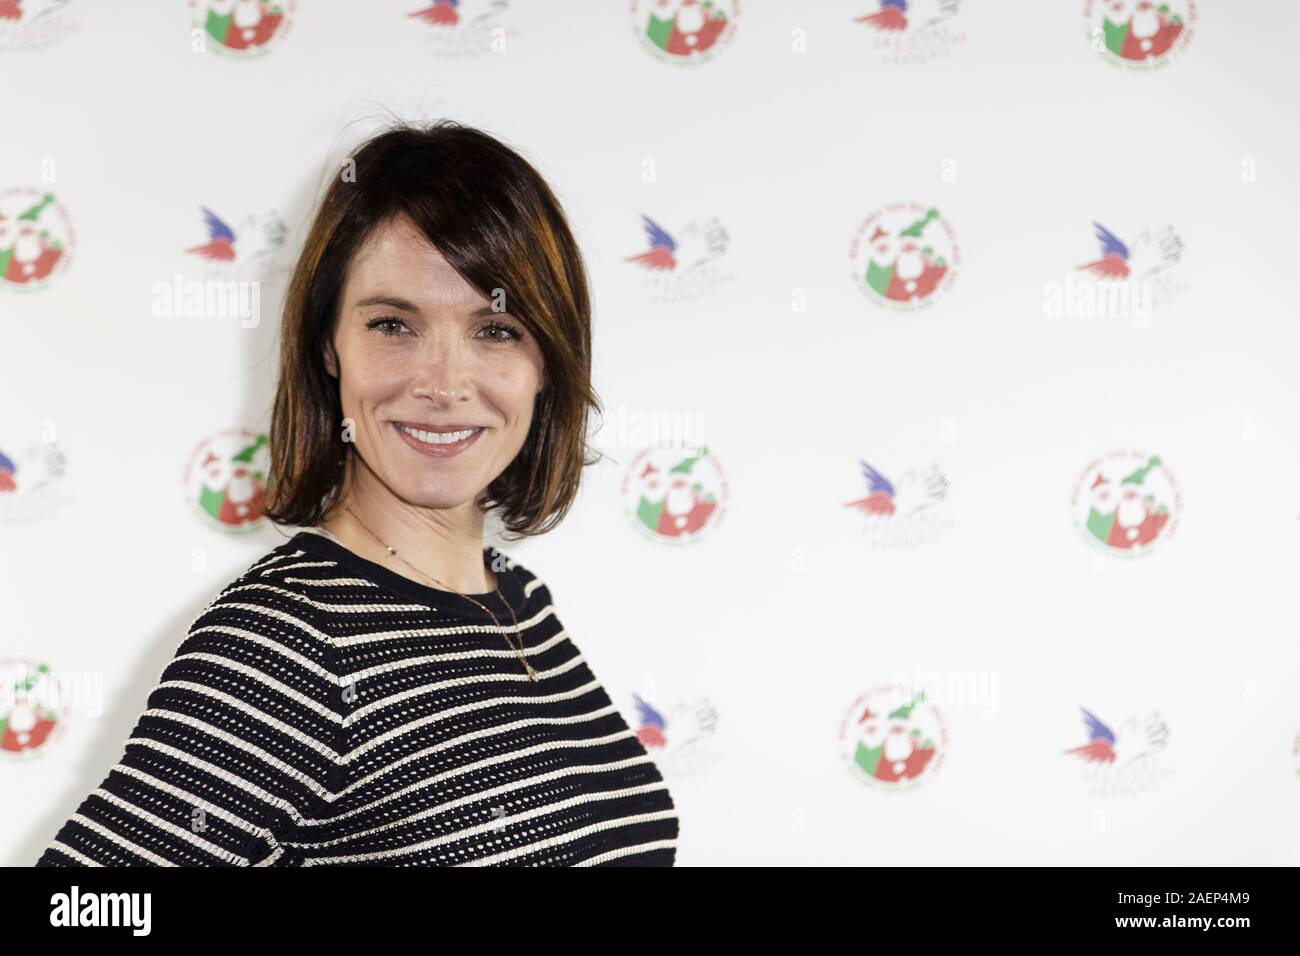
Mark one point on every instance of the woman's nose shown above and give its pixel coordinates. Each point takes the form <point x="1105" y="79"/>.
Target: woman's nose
<point x="444" y="367"/>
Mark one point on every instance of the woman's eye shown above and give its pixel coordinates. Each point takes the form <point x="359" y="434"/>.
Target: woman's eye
<point x="385" y="325"/>
<point x="501" y="328"/>
<point x="391" y="325"/>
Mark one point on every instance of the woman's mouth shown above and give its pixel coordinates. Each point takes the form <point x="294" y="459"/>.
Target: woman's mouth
<point x="440" y="444"/>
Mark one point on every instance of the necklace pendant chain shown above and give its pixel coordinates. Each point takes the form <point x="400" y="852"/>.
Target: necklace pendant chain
<point x="519" y="651"/>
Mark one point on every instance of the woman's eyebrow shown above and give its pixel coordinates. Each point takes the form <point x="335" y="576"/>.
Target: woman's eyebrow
<point x="392" y="301"/>
<point x="406" y="305"/>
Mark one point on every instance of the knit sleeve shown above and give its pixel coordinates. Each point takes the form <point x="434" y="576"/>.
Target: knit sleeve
<point x="238" y="744"/>
<point x="534" y="585"/>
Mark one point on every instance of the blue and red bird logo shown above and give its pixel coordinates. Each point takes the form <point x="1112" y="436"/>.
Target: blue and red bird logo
<point x="1113" y="263"/>
<point x="220" y="246"/>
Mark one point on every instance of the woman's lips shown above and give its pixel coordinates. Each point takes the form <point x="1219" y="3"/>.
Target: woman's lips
<point x="437" y="451"/>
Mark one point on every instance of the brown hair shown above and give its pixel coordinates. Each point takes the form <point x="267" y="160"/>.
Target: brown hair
<point x="497" y="223"/>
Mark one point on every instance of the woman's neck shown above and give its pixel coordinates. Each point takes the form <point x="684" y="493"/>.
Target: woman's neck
<point x="442" y="545"/>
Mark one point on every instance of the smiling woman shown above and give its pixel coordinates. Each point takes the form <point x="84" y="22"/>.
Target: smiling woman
<point x="443" y="264"/>
<point x="423" y="365"/>
<point x="382" y="689"/>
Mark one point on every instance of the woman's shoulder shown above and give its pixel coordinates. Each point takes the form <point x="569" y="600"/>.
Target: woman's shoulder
<point x="533" y="586"/>
<point x="273" y="596"/>
<point x="260" y="641"/>
<point x="298" y="570"/>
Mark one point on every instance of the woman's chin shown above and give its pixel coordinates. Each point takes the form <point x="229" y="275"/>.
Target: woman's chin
<point x="441" y="497"/>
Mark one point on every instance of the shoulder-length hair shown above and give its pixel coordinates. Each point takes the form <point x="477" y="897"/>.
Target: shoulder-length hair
<point x="497" y="223"/>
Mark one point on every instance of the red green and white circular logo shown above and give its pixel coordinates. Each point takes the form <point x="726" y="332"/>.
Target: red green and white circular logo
<point x="1139" y="34"/>
<point x="242" y="28"/>
<point x="904" y="256"/>
<point x="31" y="716"/>
<point x="684" y="31"/>
<point x="36" y="238"/>
<point x="893" y="738"/>
<point x="225" y="479"/>
<point x="1126" y="503"/>
<point x="674" y="495"/>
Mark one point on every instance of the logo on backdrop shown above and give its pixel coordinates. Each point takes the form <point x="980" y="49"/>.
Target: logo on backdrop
<point x="912" y="31"/>
<point x="893" y="738"/>
<point x="464" y="27"/>
<point x="32" y="25"/>
<point x="31" y="482"/>
<point x="673" y="495"/>
<point x="31" y="718"/>
<point x="243" y="28"/>
<point x="684" y="31"/>
<point x="225" y="479"/>
<point x="1140" y="269"/>
<point x="1126" y="503"/>
<point x="228" y="273"/>
<point x="1139" y="34"/>
<point x="36" y="239"/>
<point x="249" y="251"/>
<point x="680" y="743"/>
<point x="908" y="511"/>
<point x="904" y="256"/>
<point x="1128" y="760"/>
<point x="683" y="266"/>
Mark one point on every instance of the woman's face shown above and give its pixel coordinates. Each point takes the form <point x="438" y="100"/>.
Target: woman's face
<point x="416" y="345"/>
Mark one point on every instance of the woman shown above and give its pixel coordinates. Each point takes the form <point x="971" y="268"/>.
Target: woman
<point x="381" y="689"/>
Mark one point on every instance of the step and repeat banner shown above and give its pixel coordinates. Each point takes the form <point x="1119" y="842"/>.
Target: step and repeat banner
<point x="946" y="509"/>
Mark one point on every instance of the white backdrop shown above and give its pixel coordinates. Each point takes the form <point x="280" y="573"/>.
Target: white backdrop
<point x="754" y="639"/>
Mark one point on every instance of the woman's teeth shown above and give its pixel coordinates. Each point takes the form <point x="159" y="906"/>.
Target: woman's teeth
<point x="434" y="438"/>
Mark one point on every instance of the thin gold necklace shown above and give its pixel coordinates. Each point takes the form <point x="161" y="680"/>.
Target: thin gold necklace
<point x="519" y="651"/>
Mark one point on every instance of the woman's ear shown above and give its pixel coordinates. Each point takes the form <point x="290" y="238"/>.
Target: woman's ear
<point x="331" y="361"/>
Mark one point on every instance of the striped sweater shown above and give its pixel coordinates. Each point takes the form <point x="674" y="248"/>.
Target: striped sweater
<point x="324" y="710"/>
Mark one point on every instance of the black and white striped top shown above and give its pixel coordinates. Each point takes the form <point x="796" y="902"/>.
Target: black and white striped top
<point x="324" y="710"/>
